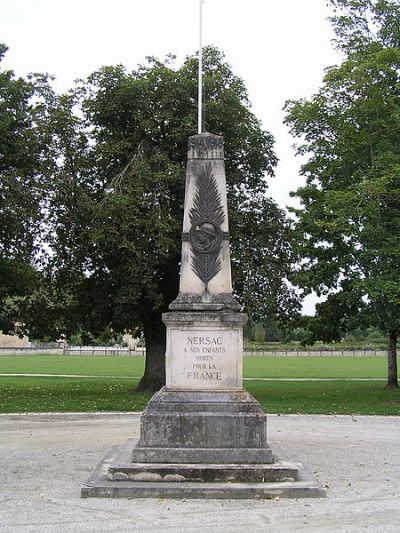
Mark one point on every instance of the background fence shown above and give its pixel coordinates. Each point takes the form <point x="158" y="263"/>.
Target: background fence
<point x="138" y="352"/>
<point x="103" y="350"/>
<point x="316" y="353"/>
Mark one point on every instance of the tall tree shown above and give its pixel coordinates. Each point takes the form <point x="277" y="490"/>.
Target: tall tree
<point x="348" y="229"/>
<point x="25" y="155"/>
<point x="115" y="215"/>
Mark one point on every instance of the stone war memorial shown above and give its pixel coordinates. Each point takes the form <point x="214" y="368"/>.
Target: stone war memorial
<point x="202" y="435"/>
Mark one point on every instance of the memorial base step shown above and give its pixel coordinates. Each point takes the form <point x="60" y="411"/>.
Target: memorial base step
<point x="117" y="477"/>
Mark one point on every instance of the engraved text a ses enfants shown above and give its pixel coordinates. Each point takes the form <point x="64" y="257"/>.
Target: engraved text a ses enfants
<point x="204" y="345"/>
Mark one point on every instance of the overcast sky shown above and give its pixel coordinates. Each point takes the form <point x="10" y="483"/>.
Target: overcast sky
<point x="279" y="47"/>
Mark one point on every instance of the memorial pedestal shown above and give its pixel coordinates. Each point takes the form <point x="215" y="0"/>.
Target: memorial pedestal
<point x="202" y="427"/>
<point x="203" y="415"/>
<point x="202" y="435"/>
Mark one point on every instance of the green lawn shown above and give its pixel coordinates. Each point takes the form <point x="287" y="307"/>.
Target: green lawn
<point x="315" y="367"/>
<point x="62" y="394"/>
<point x="114" y="378"/>
<point x="72" y="364"/>
<point x="334" y="397"/>
<point x="255" y="367"/>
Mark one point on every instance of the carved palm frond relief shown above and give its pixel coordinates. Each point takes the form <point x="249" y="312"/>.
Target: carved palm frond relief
<point x="207" y="204"/>
<point x="206" y="266"/>
<point x="206" y="217"/>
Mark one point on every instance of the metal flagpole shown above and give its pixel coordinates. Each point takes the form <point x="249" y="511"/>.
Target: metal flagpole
<point x="200" y="99"/>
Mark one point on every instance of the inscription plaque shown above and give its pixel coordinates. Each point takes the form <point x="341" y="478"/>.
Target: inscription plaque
<point x="199" y="359"/>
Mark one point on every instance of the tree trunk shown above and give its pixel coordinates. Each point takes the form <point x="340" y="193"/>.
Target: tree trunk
<point x="154" y="371"/>
<point x="392" y="382"/>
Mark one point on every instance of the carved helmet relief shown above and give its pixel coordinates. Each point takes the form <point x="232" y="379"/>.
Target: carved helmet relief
<point x="206" y="218"/>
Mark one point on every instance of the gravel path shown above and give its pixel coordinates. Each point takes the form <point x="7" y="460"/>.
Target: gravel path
<point x="44" y="459"/>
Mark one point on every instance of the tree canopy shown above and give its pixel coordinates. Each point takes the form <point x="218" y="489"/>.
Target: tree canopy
<point x="348" y="229"/>
<point x="113" y="208"/>
<point x="24" y="161"/>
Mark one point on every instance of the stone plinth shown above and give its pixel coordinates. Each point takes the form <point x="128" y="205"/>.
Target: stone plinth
<point x="202" y="427"/>
<point x="118" y="477"/>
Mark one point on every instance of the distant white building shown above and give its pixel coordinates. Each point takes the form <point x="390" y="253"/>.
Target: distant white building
<point x="13" y="341"/>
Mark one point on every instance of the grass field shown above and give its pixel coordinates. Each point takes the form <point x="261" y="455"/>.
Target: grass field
<point x="255" y="367"/>
<point x="107" y="384"/>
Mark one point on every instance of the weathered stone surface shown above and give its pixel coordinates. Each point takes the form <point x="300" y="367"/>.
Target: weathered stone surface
<point x="229" y="473"/>
<point x="205" y="146"/>
<point x="202" y="455"/>
<point x="196" y="302"/>
<point x="153" y="481"/>
<point x="212" y="426"/>
<point x="205" y="277"/>
<point x="204" y="350"/>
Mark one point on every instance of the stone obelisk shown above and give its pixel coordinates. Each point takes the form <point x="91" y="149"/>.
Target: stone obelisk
<point x="203" y="414"/>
